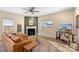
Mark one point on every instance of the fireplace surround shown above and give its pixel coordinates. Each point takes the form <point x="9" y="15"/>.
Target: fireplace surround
<point x="31" y="30"/>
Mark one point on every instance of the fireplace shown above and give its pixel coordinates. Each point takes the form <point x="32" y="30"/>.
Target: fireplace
<point x="31" y="31"/>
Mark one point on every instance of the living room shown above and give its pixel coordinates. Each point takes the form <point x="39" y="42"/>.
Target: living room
<point x="40" y="24"/>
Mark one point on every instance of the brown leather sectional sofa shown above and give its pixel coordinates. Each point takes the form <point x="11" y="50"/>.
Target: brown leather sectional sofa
<point x="15" y="42"/>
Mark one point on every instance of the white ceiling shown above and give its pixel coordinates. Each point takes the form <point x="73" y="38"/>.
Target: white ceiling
<point x="42" y="10"/>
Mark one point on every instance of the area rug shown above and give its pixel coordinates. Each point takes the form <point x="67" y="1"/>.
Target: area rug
<point x="2" y="48"/>
<point x="45" y="46"/>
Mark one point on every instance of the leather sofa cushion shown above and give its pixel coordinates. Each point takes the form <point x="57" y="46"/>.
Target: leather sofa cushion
<point x="16" y="39"/>
<point x="14" y="33"/>
<point x="23" y="36"/>
<point x="8" y="35"/>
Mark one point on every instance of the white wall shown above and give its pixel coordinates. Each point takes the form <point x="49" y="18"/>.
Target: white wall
<point x="57" y="18"/>
<point x="18" y="19"/>
<point x="77" y="13"/>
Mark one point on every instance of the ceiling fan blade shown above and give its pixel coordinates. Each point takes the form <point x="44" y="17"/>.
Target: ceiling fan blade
<point x="25" y="12"/>
<point x="35" y="11"/>
<point x="32" y="8"/>
<point x="32" y="12"/>
<point x="24" y="8"/>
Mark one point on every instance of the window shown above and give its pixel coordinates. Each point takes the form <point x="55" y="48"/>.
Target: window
<point x="47" y="26"/>
<point x="7" y="25"/>
<point x="7" y="22"/>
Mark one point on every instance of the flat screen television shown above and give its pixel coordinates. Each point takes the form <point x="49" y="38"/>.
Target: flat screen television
<point x="65" y="27"/>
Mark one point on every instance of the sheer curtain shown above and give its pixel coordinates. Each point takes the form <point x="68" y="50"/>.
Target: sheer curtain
<point x="1" y="28"/>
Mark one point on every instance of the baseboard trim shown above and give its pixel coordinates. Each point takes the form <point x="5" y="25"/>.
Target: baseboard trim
<point x="47" y="36"/>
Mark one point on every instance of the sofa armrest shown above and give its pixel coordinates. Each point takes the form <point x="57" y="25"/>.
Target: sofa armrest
<point x="18" y="47"/>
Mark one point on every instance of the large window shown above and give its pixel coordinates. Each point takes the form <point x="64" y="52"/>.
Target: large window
<point x="47" y="26"/>
<point x="7" y="22"/>
<point x="7" y="25"/>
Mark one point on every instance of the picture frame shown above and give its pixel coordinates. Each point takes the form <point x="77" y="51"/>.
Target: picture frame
<point x="31" y="22"/>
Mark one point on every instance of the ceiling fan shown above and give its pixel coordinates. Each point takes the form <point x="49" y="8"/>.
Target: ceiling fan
<point x="31" y="10"/>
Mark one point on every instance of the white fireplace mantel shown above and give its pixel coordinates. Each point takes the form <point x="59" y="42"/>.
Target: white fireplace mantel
<point x="29" y="27"/>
